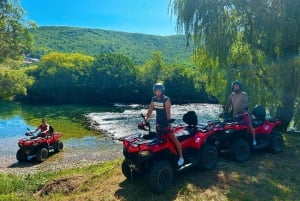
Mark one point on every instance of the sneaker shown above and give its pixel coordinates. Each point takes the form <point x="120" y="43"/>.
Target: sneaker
<point x="180" y="161"/>
<point x="254" y="142"/>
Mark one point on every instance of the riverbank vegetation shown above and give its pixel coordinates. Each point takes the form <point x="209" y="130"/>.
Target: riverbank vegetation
<point x="264" y="177"/>
<point x="109" y="78"/>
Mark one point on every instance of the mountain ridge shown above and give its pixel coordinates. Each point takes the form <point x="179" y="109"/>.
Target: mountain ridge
<point x="137" y="46"/>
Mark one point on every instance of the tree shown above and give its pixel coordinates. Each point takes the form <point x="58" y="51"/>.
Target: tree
<point x="180" y="84"/>
<point x="13" y="82"/>
<point x="113" y="78"/>
<point x="247" y="40"/>
<point x="15" y="38"/>
<point x="61" y="77"/>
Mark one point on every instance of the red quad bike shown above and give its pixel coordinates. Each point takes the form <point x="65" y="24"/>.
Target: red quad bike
<point x="39" y="146"/>
<point x="154" y="155"/>
<point x="236" y="138"/>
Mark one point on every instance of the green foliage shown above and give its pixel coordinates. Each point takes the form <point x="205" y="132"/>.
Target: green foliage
<point x="113" y="79"/>
<point x="15" y="37"/>
<point x="109" y="78"/>
<point x="13" y="82"/>
<point x="93" y="42"/>
<point x="246" y="40"/>
<point x="59" y="77"/>
<point x="179" y="79"/>
<point x="151" y="71"/>
<point x="180" y="84"/>
<point x="74" y="78"/>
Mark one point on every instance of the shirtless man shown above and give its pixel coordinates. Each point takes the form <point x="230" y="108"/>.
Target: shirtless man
<point x="238" y="103"/>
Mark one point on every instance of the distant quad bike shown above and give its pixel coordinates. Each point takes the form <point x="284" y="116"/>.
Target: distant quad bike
<point x="39" y="146"/>
<point x="154" y="156"/>
<point x="237" y="139"/>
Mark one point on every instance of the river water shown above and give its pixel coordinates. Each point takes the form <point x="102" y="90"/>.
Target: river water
<point x="124" y="123"/>
<point x="115" y="122"/>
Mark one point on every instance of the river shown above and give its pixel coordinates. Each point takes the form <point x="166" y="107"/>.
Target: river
<point x="124" y="123"/>
<point x="79" y="141"/>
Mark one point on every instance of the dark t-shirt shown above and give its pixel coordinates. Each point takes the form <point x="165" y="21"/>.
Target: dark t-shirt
<point x="161" y="114"/>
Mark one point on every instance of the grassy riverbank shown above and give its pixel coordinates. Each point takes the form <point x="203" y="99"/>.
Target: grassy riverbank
<point x="264" y="177"/>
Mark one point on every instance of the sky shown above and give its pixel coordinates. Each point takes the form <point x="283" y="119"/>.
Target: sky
<point x="134" y="16"/>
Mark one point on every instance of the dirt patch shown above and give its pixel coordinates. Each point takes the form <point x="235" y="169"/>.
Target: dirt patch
<point x="65" y="185"/>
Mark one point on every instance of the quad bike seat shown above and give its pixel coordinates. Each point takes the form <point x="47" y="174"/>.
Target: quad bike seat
<point x="185" y="133"/>
<point x="190" y="118"/>
<point x="259" y="113"/>
<point x="50" y="133"/>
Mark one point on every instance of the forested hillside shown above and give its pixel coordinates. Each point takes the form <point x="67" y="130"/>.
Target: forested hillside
<point x="136" y="46"/>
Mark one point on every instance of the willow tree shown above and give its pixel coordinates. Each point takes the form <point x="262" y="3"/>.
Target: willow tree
<point x="15" y="39"/>
<point x="256" y="41"/>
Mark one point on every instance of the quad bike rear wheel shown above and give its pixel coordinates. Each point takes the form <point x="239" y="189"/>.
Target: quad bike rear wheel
<point x="21" y="156"/>
<point x="208" y="157"/>
<point x="160" y="177"/>
<point x="42" y="154"/>
<point x="276" y="142"/>
<point x="240" y="150"/>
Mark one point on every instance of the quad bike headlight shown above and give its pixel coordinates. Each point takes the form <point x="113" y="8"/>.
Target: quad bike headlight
<point x="229" y="131"/>
<point x="144" y="153"/>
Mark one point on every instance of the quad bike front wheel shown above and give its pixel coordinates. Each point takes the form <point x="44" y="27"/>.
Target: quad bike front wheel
<point x="42" y="154"/>
<point x="21" y="156"/>
<point x="129" y="171"/>
<point x="58" y="147"/>
<point x="208" y="157"/>
<point x="276" y="142"/>
<point x="160" y="177"/>
<point x="240" y="150"/>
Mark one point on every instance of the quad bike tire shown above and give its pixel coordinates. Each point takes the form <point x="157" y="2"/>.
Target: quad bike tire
<point x="58" y="147"/>
<point x="42" y="154"/>
<point x="276" y="142"/>
<point x="208" y="157"/>
<point x="128" y="172"/>
<point x="160" y="177"/>
<point x="21" y="156"/>
<point x="240" y="150"/>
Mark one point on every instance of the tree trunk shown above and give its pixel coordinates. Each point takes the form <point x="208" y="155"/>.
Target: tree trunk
<point x="285" y="111"/>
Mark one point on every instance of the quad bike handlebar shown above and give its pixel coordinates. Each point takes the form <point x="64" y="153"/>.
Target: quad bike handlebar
<point x="145" y="125"/>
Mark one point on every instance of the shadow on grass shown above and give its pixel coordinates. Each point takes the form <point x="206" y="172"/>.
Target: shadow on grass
<point x="137" y="189"/>
<point x="265" y="176"/>
<point x="31" y="161"/>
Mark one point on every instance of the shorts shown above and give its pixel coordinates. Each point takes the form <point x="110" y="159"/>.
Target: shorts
<point x="163" y="131"/>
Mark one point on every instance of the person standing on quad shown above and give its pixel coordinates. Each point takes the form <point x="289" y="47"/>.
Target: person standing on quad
<point x="162" y="105"/>
<point x="238" y="103"/>
<point x="44" y="129"/>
